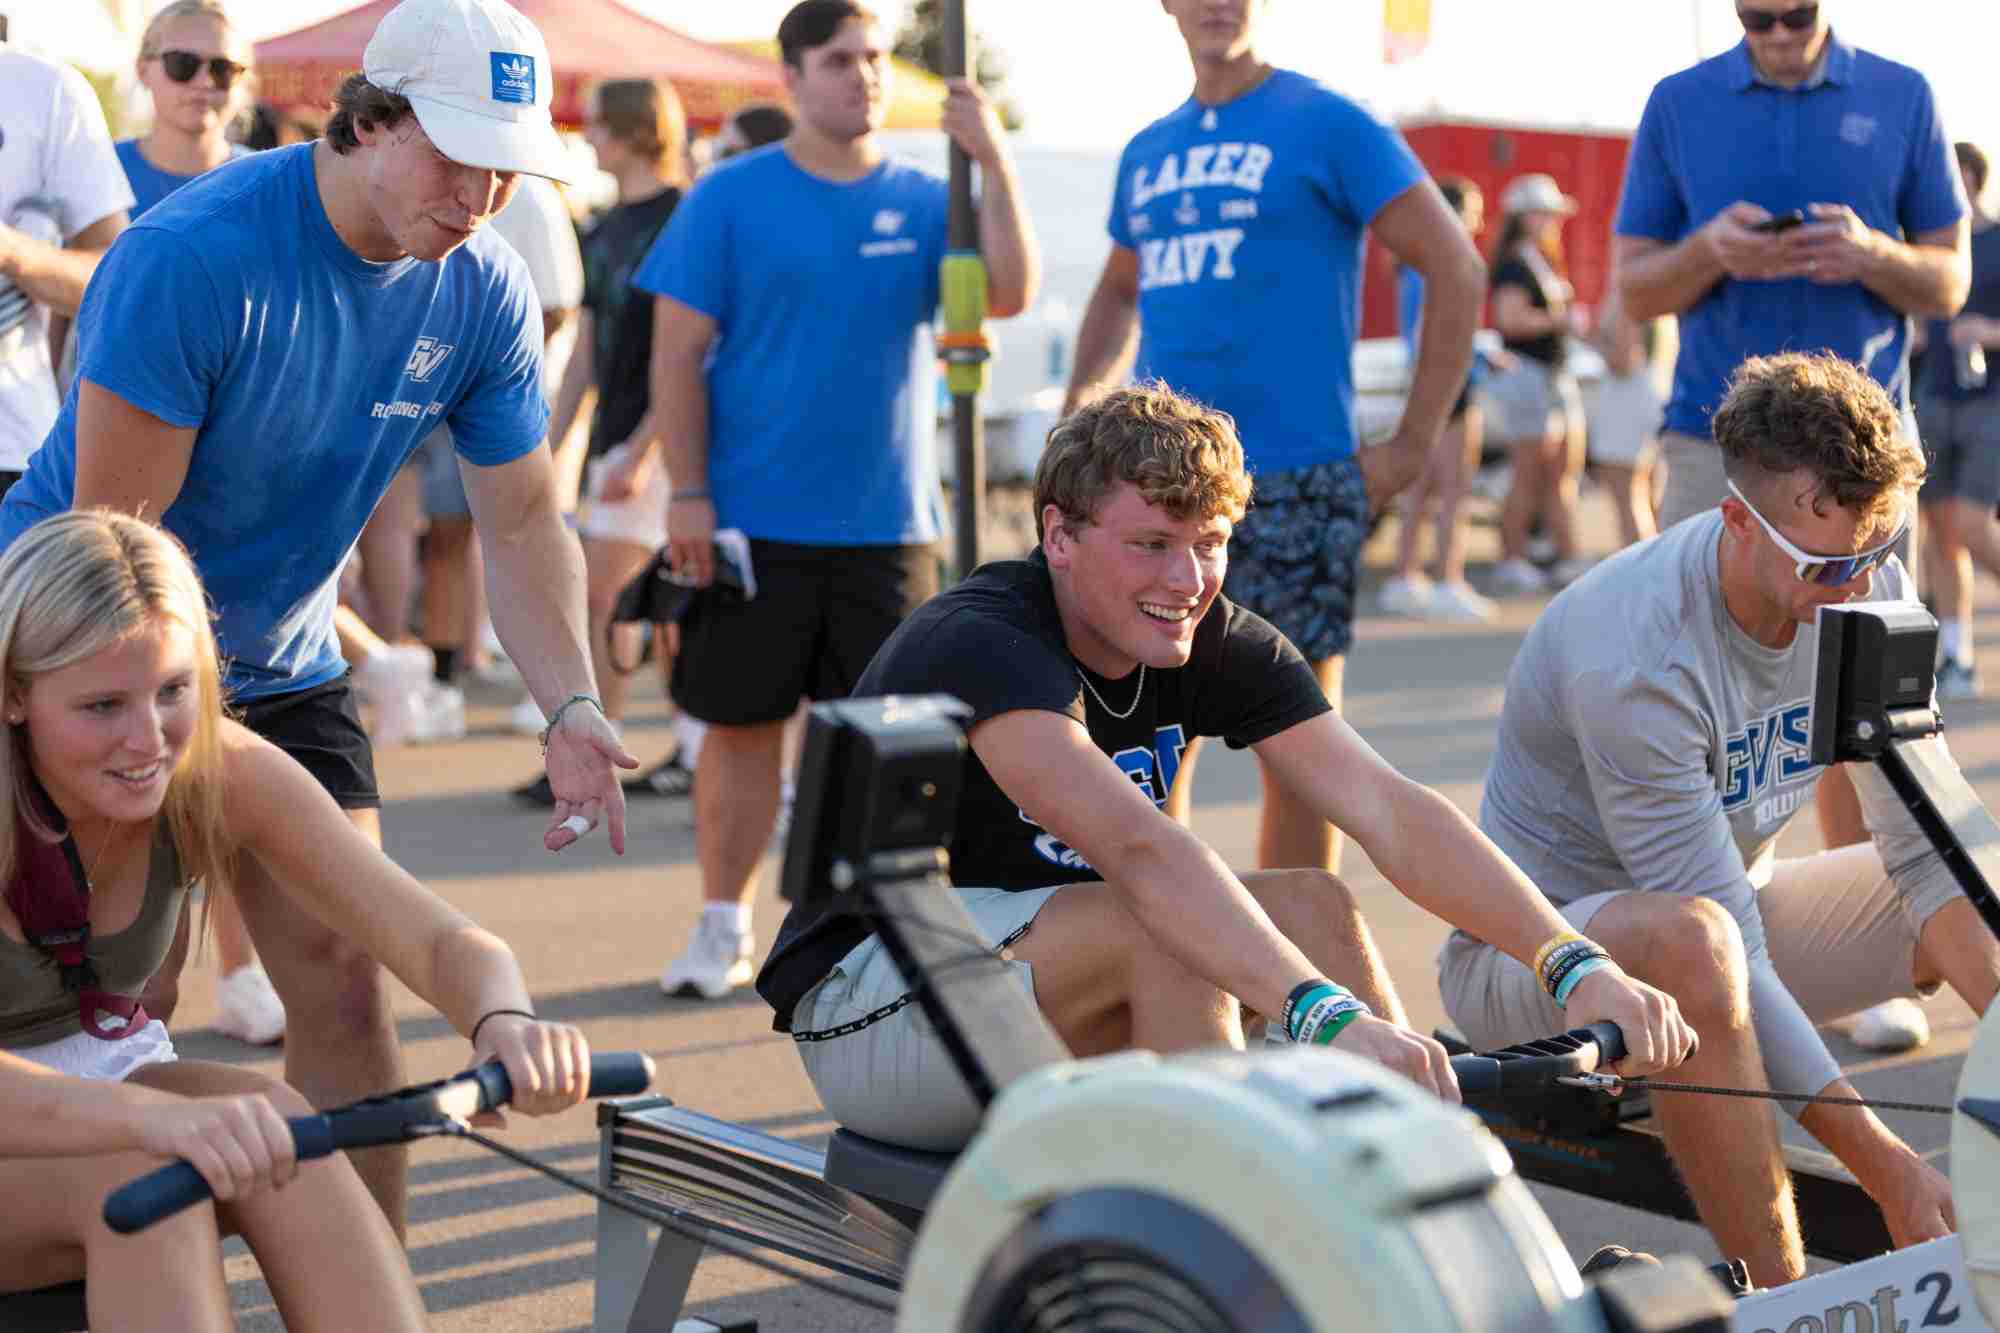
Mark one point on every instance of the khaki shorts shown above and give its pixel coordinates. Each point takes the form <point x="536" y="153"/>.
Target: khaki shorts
<point x="1840" y="935"/>
<point x="887" y="1076"/>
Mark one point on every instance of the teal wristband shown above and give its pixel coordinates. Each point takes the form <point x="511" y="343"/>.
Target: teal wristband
<point x="1595" y="963"/>
<point x="1303" y="997"/>
<point x="1323" y="1019"/>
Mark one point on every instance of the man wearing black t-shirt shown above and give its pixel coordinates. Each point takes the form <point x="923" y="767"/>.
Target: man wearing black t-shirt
<point x="1089" y="666"/>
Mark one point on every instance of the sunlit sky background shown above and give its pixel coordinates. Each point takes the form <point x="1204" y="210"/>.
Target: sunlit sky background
<point x="1089" y="72"/>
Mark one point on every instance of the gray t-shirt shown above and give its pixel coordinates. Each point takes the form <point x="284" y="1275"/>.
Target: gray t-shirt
<point x="1647" y="742"/>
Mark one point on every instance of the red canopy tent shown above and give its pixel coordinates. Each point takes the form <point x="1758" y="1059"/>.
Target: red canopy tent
<point x="588" y="40"/>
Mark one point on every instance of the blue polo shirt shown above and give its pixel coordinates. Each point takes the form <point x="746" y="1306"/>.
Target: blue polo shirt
<point x="1863" y="131"/>
<point x="1247" y="220"/>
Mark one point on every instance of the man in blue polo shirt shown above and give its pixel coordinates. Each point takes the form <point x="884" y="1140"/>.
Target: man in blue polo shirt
<point x="794" y="400"/>
<point x="258" y="357"/>
<point x="1237" y="224"/>
<point x="1793" y="194"/>
<point x="1790" y="124"/>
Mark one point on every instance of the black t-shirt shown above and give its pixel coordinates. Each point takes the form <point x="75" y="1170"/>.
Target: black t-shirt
<point x="1515" y="271"/>
<point x="621" y="316"/>
<point x="996" y="642"/>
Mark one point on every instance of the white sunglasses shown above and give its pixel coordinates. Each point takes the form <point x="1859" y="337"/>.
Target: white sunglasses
<point x="1827" y="570"/>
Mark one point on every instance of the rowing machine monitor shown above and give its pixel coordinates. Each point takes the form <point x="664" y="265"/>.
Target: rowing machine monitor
<point x="876" y="807"/>
<point x="1874" y="680"/>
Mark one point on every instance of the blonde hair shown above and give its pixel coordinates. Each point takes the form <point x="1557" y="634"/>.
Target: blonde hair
<point x="1183" y="457"/>
<point x="646" y="114"/>
<point x="72" y="586"/>
<point x="149" y="41"/>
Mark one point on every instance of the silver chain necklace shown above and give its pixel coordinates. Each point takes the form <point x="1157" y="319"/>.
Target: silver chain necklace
<point x="1137" y="694"/>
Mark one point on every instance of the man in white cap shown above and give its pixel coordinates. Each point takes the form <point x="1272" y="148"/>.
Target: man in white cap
<point x="258" y="358"/>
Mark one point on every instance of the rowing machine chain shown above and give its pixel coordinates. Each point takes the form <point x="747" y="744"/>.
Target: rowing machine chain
<point x="1611" y="1083"/>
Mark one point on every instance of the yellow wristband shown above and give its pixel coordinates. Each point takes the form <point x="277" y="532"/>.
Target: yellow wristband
<point x="1542" y="954"/>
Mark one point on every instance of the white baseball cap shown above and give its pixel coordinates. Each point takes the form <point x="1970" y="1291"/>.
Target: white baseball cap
<point x="477" y="74"/>
<point x="1535" y="193"/>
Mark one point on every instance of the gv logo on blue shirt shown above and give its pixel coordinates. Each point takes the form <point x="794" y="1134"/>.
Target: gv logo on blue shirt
<point x="513" y="78"/>
<point x="1776" y="748"/>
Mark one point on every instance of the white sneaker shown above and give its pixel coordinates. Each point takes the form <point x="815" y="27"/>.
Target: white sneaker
<point x="715" y="962"/>
<point x="525" y="718"/>
<point x="1459" y="603"/>
<point x="247" y="1009"/>
<point x="442" y="716"/>
<point x="1518" y="576"/>
<point x="399" y="718"/>
<point x="398" y="669"/>
<point x="1893" y="1025"/>
<point x="1405" y="595"/>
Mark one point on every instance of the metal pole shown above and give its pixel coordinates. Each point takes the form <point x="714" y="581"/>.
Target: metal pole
<point x="964" y="342"/>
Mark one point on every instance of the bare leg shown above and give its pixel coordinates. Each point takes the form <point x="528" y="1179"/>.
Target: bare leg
<point x="1292" y="835"/>
<point x="1950" y="567"/>
<point x="1316" y="911"/>
<point x="1840" y="822"/>
<point x="608" y="566"/>
<point x="1956" y="946"/>
<point x="1456" y="460"/>
<point x="736" y="806"/>
<point x="340" y="1037"/>
<point x="1976" y="530"/>
<point x="1524" y="498"/>
<point x="1630" y="489"/>
<point x="1726" y="1148"/>
<point x="447" y="600"/>
<point x="1564" y="462"/>
<point x="389" y="554"/>
<point x="329" y="1257"/>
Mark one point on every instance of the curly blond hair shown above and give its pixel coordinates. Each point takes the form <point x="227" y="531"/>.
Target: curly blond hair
<point x="1183" y="457"/>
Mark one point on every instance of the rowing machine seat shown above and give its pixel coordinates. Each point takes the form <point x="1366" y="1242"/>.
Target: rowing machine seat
<point x="905" y="1177"/>
<point x="45" y="1310"/>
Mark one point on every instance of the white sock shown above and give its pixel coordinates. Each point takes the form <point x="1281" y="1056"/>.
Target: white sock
<point x="1956" y="642"/>
<point x="691" y="732"/>
<point x="735" y="916"/>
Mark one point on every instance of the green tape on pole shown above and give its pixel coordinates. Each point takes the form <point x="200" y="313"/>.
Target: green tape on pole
<point x="963" y="344"/>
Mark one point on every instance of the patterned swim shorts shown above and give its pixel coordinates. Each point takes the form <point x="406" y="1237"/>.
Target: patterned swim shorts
<point x="1295" y="557"/>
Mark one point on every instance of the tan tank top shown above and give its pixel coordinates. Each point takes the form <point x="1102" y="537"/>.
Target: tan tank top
<point x="34" y="1006"/>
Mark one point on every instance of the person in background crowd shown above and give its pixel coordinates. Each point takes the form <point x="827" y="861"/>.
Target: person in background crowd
<point x="751" y="127"/>
<point x="1794" y="191"/>
<point x="1623" y="409"/>
<point x="1537" y="407"/>
<point x="639" y="132"/>
<point x="196" y="66"/>
<point x="793" y="407"/>
<point x="1448" y="477"/>
<point x="1245" y="210"/>
<point x="63" y="200"/>
<point x="1958" y="408"/>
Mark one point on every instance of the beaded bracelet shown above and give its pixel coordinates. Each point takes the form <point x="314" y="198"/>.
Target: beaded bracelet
<point x="555" y="718"/>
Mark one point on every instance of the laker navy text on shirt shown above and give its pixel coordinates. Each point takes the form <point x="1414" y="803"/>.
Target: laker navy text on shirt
<point x="1192" y="255"/>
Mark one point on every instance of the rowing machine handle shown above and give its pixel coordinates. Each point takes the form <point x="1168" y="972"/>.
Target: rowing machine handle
<point x="1537" y="1064"/>
<point x="160" y="1194"/>
<point x="138" y="1204"/>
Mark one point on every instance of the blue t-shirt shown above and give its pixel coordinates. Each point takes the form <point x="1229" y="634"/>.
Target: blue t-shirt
<point x="1248" y="221"/>
<point x="1939" y="376"/>
<point x="821" y="405"/>
<point x="1864" y="133"/>
<point x="309" y="374"/>
<point x="149" y="183"/>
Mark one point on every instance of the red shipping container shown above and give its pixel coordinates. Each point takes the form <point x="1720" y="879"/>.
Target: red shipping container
<point x="1589" y="165"/>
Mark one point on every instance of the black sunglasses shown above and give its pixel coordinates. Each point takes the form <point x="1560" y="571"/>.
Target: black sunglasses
<point x="181" y="66"/>
<point x="1763" y="20"/>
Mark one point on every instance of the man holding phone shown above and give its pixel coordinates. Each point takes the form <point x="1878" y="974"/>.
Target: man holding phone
<point x="1791" y="193"/>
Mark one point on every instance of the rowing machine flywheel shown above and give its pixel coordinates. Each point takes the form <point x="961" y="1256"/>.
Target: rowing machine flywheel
<point x="1284" y="1192"/>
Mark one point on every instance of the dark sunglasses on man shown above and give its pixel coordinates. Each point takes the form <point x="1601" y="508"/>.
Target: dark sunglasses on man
<point x="1763" y="20"/>
<point x="182" y="66"/>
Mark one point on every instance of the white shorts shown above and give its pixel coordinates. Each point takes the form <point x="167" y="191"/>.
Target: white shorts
<point x="1624" y="414"/>
<point x="641" y="520"/>
<point x="890" y="1078"/>
<point x="1525" y="401"/>
<point x="81" y="1055"/>
<point x="1840" y="935"/>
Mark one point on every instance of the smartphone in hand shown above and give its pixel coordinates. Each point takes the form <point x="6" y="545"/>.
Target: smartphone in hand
<point x="1783" y="222"/>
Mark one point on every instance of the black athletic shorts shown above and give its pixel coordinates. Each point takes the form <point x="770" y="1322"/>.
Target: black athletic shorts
<point x="818" y="617"/>
<point x="321" y="728"/>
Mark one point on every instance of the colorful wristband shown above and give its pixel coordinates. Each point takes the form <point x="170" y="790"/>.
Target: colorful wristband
<point x="1596" y="962"/>
<point x="1303" y="996"/>
<point x="1555" y="942"/>
<point x="1324" y="1019"/>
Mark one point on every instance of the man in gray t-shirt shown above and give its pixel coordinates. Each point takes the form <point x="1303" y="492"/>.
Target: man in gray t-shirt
<point x="1654" y="744"/>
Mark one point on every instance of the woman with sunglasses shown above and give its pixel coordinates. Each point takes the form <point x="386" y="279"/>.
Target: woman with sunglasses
<point x="122" y="783"/>
<point x="1654" y="746"/>
<point x="196" y="66"/>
